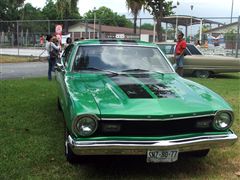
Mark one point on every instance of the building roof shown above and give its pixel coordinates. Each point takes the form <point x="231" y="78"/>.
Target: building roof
<point x="186" y="20"/>
<point x="113" y="29"/>
<point x="116" y="29"/>
<point x="222" y="27"/>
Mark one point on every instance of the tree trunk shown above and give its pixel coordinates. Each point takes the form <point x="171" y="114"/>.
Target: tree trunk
<point x="135" y="24"/>
<point x="158" y="29"/>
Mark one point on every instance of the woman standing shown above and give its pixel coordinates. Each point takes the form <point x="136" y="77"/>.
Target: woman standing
<point x="53" y="49"/>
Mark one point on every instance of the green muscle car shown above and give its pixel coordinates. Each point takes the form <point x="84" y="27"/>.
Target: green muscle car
<point x="122" y="97"/>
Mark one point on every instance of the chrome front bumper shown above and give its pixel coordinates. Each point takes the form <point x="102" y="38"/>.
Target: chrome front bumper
<point x="118" y="147"/>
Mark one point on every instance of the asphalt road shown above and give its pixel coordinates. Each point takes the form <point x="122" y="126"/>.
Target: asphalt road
<point x="23" y="70"/>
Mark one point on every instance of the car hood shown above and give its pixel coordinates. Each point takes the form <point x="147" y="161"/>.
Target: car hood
<point x="150" y="95"/>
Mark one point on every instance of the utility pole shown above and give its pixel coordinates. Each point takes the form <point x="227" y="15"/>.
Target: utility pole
<point x="238" y="38"/>
<point x="231" y="12"/>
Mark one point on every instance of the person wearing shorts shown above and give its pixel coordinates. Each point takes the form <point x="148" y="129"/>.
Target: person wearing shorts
<point x="179" y="53"/>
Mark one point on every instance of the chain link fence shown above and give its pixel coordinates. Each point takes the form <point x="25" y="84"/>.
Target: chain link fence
<point x="214" y="35"/>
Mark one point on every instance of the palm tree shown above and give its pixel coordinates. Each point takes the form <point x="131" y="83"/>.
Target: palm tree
<point x="135" y="7"/>
<point x="66" y="7"/>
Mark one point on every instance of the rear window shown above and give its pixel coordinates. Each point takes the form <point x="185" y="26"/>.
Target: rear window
<point x="166" y="48"/>
<point x="193" y="50"/>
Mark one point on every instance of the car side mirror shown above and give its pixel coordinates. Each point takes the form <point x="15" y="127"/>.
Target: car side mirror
<point x="60" y="67"/>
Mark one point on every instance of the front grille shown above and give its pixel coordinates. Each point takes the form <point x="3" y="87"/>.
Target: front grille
<point x="152" y="128"/>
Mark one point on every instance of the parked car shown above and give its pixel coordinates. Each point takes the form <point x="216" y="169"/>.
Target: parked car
<point x="201" y="65"/>
<point x="124" y="98"/>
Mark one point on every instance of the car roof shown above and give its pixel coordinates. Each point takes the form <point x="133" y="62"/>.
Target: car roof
<point x="114" y="42"/>
<point x="170" y="43"/>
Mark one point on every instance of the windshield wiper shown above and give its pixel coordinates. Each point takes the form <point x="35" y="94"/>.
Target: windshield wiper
<point x="135" y="70"/>
<point x="103" y="70"/>
<point x="141" y="70"/>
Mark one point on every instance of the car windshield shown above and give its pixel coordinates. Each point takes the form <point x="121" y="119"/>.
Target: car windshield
<point x="120" y="59"/>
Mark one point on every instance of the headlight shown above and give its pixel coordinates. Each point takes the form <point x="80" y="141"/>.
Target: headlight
<point x="223" y="120"/>
<point x="85" y="125"/>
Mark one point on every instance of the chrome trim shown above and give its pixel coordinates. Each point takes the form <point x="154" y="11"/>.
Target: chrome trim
<point x="165" y="119"/>
<point x="117" y="147"/>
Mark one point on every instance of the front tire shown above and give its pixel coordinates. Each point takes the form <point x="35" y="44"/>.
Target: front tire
<point x="59" y="104"/>
<point x="70" y="156"/>
<point x="202" y="74"/>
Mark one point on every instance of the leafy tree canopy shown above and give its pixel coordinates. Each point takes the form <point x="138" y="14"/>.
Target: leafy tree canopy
<point x="67" y="9"/>
<point x="159" y="9"/>
<point x="9" y="9"/>
<point x="108" y="17"/>
<point x="49" y="10"/>
<point x="28" y="12"/>
<point x="147" y="26"/>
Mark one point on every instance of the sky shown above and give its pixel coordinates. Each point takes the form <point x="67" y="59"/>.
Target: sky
<point x="201" y="8"/>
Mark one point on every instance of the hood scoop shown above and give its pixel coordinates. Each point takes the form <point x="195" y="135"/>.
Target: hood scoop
<point x="137" y="85"/>
<point x="161" y="91"/>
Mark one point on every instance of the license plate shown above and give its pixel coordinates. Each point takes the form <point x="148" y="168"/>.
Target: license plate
<point x="155" y="156"/>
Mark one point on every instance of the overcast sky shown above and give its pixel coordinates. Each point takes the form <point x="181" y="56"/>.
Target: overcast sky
<point x="201" y="8"/>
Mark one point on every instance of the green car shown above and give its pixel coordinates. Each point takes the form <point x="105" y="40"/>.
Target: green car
<point x="122" y="97"/>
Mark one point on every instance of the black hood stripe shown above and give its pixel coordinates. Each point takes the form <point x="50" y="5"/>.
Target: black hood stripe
<point x="142" y="86"/>
<point x="130" y="87"/>
<point x="159" y="89"/>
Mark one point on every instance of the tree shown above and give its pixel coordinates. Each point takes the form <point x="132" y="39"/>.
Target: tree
<point x="107" y="17"/>
<point x="28" y="12"/>
<point x="135" y="7"/>
<point x="205" y="28"/>
<point x="159" y="9"/>
<point x="67" y="9"/>
<point x="49" y="10"/>
<point x="230" y="38"/>
<point x="147" y="26"/>
<point x="9" y="9"/>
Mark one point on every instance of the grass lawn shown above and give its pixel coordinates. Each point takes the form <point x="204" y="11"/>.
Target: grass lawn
<point x="19" y="59"/>
<point x="32" y="140"/>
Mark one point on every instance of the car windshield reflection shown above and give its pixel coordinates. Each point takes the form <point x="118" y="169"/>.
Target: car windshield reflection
<point x="119" y="59"/>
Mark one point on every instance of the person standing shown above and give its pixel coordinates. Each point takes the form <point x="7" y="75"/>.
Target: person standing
<point x="68" y="42"/>
<point x="179" y="53"/>
<point x="41" y="40"/>
<point x="53" y="52"/>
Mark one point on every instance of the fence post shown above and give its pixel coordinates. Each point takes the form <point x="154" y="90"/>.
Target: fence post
<point x="238" y="38"/>
<point x="86" y="29"/>
<point x="49" y="27"/>
<point x="154" y="30"/>
<point x="18" y="36"/>
<point x="140" y="28"/>
<point x="100" y="29"/>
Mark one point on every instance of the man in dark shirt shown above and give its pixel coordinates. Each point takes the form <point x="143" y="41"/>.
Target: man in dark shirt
<point x="179" y="53"/>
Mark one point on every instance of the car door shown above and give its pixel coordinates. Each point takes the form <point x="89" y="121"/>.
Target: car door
<point x="62" y="70"/>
